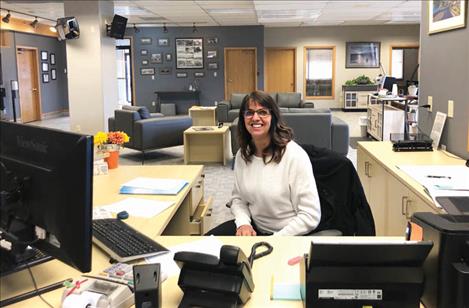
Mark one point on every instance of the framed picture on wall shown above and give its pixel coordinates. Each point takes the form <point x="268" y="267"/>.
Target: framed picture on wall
<point x="53" y="74"/>
<point x="143" y="52"/>
<point x="144" y="62"/>
<point x="199" y="74"/>
<point x="147" y="71"/>
<point x="156" y="58"/>
<point x="212" y="66"/>
<point x="212" y="54"/>
<point x="163" y="42"/>
<point x="189" y="53"/>
<point x="44" y="55"/>
<point x="168" y="57"/>
<point x="362" y="55"/>
<point x="165" y="71"/>
<point x="212" y="40"/>
<point x="446" y="15"/>
<point x="52" y="58"/>
<point x="181" y="75"/>
<point x="44" y="67"/>
<point x="45" y="78"/>
<point x="145" y="40"/>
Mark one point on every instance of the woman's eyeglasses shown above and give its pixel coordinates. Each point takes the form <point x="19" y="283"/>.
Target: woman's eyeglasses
<point x="260" y="112"/>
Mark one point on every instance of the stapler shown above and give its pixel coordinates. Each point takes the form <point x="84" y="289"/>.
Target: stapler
<point x="88" y="291"/>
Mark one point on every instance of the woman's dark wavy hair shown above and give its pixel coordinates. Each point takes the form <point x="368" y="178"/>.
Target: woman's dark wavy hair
<point x="280" y="133"/>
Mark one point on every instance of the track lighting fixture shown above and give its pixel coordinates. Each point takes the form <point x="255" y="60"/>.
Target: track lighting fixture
<point x="194" y="28"/>
<point x="6" y="19"/>
<point x="165" y="29"/>
<point x="136" y="30"/>
<point x="34" y="23"/>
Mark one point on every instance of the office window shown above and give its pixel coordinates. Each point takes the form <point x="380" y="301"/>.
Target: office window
<point x="397" y="63"/>
<point x="319" y="72"/>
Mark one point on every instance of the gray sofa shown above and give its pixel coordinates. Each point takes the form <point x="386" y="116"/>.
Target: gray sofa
<point x="152" y="131"/>
<point x="227" y="111"/>
<point x="317" y="127"/>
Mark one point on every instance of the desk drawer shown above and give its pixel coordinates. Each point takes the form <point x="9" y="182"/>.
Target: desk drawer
<point x="197" y="193"/>
<point x="201" y="221"/>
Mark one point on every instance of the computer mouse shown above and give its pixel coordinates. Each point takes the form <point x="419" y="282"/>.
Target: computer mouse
<point x="122" y="215"/>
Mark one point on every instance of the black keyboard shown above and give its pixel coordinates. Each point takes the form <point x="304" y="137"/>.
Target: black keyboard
<point x="31" y="257"/>
<point x="122" y="242"/>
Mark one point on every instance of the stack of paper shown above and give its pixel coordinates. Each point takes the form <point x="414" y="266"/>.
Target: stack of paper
<point x="138" y="207"/>
<point x="151" y="186"/>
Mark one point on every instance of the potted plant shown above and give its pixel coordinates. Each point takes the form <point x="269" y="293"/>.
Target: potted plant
<point x="112" y="143"/>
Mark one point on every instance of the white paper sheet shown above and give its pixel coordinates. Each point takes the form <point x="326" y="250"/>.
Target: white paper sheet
<point x="209" y="245"/>
<point x="138" y="207"/>
<point x="151" y="183"/>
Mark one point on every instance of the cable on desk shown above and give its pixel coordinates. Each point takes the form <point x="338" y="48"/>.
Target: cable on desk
<point x="253" y="256"/>
<point x="35" y="287"/>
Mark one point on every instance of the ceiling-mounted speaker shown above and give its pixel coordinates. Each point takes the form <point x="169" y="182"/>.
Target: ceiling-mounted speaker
<point x="119" y="23"/>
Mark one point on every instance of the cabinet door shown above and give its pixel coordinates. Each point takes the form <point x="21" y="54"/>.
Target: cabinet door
<point x="401" y="204"/>
<point x="373" y="178"/>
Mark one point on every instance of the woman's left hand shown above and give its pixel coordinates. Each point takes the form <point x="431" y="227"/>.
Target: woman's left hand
<point x="245" y="230"/>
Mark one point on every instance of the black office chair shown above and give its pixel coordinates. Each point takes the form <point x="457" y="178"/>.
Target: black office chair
<point x="343" y="202"/>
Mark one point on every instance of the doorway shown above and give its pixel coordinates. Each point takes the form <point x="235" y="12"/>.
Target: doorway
<point x="280" y="70"/>
<point x="124" y="72"/>
<point x="240" y="70"/>
<point x="28" y="84"/>
<point x="403" y="65"/>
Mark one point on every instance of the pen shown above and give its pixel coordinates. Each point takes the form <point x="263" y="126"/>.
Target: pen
<point x="438" y="177"/>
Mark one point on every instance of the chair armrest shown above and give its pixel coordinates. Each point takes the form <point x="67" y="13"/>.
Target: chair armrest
<point x="160" y="132"/>
<point x="340" y="136"/>
<point x="331" y="232"/>
<point x="304" y="104"/>
<point x="222" y="111"/>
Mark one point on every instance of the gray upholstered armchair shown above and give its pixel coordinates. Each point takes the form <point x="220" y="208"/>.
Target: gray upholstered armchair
<point x="227" y="111"/>
<point x="153" y="131"/>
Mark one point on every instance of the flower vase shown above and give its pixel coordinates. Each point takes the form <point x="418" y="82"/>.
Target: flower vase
<point x="113" y="159"/>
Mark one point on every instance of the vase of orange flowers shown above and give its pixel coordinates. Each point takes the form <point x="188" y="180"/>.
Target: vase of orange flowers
<point x="112" y="143"/>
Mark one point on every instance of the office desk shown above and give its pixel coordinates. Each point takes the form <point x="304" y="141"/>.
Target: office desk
<point x="392" y="194"/>
<point x="274" y="264"/>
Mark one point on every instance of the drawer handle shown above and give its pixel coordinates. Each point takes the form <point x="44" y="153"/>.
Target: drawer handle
<point x="198" y="186"/>
<point x="407" y="203"/>
<point x="404" y="205"/>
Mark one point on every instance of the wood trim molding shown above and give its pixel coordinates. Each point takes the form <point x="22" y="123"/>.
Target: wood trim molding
<point x="23" y="25"/>
<point x="333" y="72"/>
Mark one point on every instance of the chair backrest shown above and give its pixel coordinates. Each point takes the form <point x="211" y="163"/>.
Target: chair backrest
<point x="124" y="121"/>
<point x="310" y="128"/>
<point x="343" y="202"/>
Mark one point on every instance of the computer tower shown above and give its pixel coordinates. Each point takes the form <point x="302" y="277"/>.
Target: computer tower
<point x="447" y="266"/>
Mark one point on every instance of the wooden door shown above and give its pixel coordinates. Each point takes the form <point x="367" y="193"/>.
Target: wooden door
<point x="28" y="83"/>
<point x="240" y="70"/>
<point x="280" y="70"/>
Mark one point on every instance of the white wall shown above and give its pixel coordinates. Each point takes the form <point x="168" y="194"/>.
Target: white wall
<point x="338" y="36"/>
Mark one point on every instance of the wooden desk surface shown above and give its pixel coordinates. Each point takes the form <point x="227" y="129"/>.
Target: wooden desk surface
<point x="106" y="191"/>
<point x="383" y="153"/>
<point x="273" y="265"/>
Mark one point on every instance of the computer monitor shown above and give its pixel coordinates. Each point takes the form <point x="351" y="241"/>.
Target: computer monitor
<point x="46" y="192"/>
<point x="388" y="82"/>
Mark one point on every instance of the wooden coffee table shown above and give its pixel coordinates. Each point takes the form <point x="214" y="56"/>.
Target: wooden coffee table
<point x="203" y="115"/>
<point x="206" y="144"/>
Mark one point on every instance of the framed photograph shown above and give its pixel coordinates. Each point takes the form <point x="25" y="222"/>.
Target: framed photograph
<point x="52" y="59"/>
<point x="44" y="55"/>
<point x="145" y="41"/>
<point x="168" y="57"/>
<point x="212" y="66"/>
<point x="212" y="40"/>
<point x="44" y="67"/>
<point x="144" y="62"/>
<point x="199" y="74"/>
<point x="181" y="75"/>
<point x="156" y="58"/>
<point x="53" y="74"/>
<point x="147" y="71"/>
<point x="165" y="71"/>
<point x="45" y="78"/>
<point x="446" y="15"/>
<point x="143" y="52"/>
<point x="212" y="54"/>
<point x="362" y="54"/>
<point x="189" y="53"/>
<point x="163" y="42"/>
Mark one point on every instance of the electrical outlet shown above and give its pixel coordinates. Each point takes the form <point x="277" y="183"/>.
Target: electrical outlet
<point x="450" y="108"/>
<point x="215" y="103"/>
<point x="152" y="77"/>
<point x="430" y="102"/>
<point x="153" y="103"/>
<point x="215" y="74"/>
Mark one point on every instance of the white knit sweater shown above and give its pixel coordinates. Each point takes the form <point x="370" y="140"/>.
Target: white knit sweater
<point x="280" y="198"/>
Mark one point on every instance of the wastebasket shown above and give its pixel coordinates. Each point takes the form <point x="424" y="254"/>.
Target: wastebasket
<point x="362" y="121"/>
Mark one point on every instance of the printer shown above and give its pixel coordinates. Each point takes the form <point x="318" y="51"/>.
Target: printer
<point x="447" y="266"/>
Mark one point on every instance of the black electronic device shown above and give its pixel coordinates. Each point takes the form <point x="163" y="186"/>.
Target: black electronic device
<point x="118" y="25"/>
<point x="411" y="142"/>
<point x="447" y="266"/>
<point x="388" y="82"/>
<point x="455" y="205"/>
<point x="147" y="285"/>
<point x="371" y="274"/>
<point x="67" y="28"/>
<point x="122" y="242"/>
<point x="208" y="281"/>
<point x="45" y="194"/>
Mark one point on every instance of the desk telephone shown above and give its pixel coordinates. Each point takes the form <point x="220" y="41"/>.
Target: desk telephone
<point x="211" y="282"/>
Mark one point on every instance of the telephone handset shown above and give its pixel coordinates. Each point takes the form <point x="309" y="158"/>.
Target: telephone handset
<point x="211" y="282"/>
